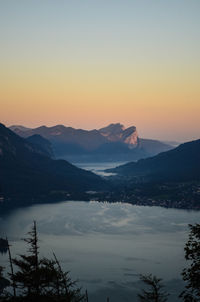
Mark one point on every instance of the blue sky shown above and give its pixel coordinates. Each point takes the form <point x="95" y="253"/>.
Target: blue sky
<point x="137" y="56"/>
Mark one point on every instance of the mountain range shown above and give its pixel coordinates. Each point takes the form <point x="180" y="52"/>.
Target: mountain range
<point x="28" y="172"/>
<point x="111" y="143"/>
<point x="179" y="164"/>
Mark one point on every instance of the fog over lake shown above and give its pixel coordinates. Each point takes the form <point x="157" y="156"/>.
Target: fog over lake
<point x="106" y="246"/>
<point x="99" y="167"/>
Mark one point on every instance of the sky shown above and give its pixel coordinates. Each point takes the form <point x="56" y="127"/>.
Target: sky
<point x="88" y="63"/>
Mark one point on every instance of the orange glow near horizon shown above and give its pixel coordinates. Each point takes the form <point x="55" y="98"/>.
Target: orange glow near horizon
<point x="154" y="101"/>
<point x="103" y="63"/>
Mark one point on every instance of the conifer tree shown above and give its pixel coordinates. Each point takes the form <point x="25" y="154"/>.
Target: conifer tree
<point x="3" y="282"/>
<point x="11" y="270"/>
<point x="27" y="277"/>
<point x="191" y="274"/>
<point x="67" y="287"/>
<point x="42" y="279"/>
<point x="155" y="293"/>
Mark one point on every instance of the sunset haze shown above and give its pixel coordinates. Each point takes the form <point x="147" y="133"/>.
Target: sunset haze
<point x="86" y="64"/>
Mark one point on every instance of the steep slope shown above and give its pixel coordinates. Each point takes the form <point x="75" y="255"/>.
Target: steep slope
<point x="26" y="173"/>
<point x="118" y="133"/>
<point x="179" y="164"/>
<point x="78" y="144"/>
<point x="43" y="144"/>
<point x="152" y="147"/>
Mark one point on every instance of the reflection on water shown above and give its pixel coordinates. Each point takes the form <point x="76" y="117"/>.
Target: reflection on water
<point x="106" y="246"/>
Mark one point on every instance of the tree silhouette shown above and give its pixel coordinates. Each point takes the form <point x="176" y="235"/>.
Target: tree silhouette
<point x="155" y="293"/>
<point x="3" y="282"/>
<point x="42" y="279"/>
<point x="191" y="274"/>
<point x="28" y="276"/>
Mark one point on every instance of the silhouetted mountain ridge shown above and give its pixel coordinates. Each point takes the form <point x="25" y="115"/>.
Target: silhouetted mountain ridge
<point x="26" y="172"/>
<point x="43" y="144"/>
<point x="179" y="164"/>
<point x="77" y="144"/>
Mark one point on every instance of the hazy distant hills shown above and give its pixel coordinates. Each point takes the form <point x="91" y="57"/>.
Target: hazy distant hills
<point x="111" y="143"/>
<point x="19" y="128"/>
<point x="179" y="164"/>
<point x="27" y="170"/>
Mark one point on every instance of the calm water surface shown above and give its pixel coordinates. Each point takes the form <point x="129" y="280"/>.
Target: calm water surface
<point x="98" y="168"/>
<point x="106" y="246"/>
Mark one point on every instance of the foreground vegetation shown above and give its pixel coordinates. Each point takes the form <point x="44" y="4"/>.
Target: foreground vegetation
<point x="32" y="278"/>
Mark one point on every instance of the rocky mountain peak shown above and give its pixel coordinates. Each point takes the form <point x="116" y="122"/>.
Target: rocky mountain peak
<point x="118" y="132"/>
<point x="112" y="128"/>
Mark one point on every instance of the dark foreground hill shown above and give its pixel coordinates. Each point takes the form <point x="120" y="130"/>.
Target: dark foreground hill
<point x="170" y="179"/>
<point x="179" y="164"/>
<point x="43" y="144"/>
<point x="28" y="173"/>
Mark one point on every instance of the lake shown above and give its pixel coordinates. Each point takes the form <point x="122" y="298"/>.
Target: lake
<point x="98" y="168"/>
<point x="106" y="246"/>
